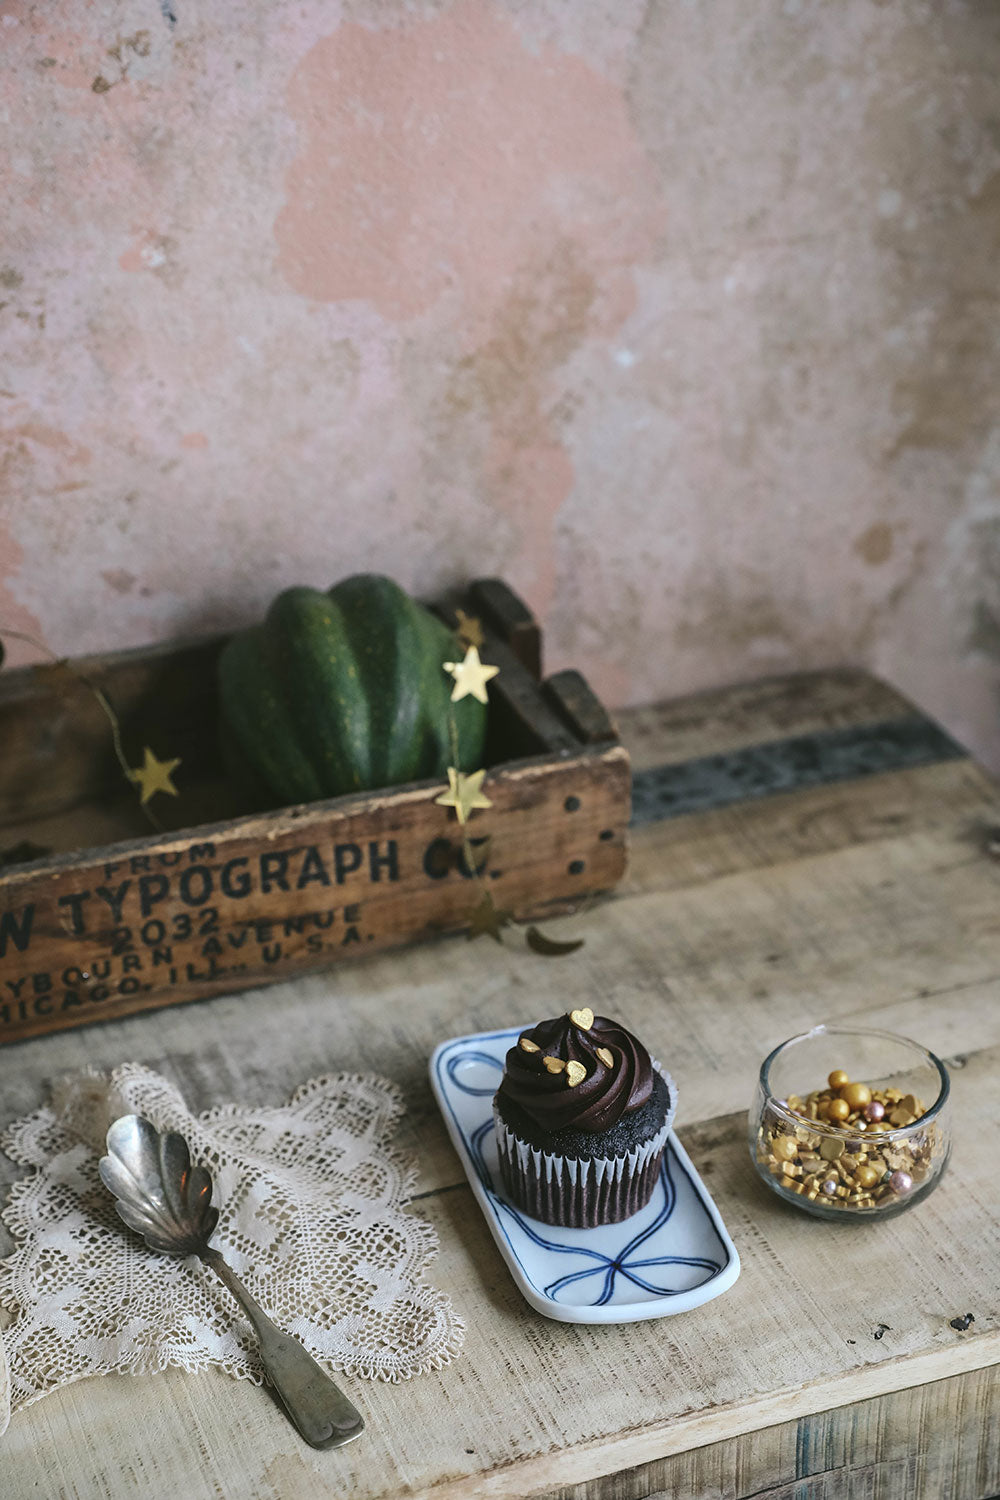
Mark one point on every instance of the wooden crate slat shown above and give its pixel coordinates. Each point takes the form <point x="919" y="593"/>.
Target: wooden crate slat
<point x="577" y="705"/>
<point x="509" y="618"/>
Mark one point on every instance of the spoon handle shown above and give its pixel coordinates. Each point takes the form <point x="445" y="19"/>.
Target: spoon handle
<point x="319" y="1409"/>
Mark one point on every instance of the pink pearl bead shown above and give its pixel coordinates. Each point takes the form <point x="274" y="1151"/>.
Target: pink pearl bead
<point x="901" y="1182"/>
<point x="875" y="1110"/>
<point x="829" y="1187"/>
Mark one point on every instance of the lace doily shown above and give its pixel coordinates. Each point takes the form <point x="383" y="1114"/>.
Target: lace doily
<point x="311" y="1218"/>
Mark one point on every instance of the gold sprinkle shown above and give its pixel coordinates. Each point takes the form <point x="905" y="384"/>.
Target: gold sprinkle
<point x="527" y="1045"/>
<point x="606" y="1055"/>
<point x="583" y="1018"/>
<point x="554" y="1064"/>
<point x="575" y="1073"/>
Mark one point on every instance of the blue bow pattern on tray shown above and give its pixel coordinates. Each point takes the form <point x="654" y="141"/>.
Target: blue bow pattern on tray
<point x="625" y="1262"/>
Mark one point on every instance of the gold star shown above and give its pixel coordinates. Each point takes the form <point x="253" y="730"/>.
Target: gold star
<point x="154" y="776"/>
<point x="471" y="676"/>
<point x="487" y="918"/>
<point x="469" y="629"/>
<point x="464" y="793"/>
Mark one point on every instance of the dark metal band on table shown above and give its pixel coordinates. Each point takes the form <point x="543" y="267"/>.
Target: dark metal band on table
<point x="788" y="765"/>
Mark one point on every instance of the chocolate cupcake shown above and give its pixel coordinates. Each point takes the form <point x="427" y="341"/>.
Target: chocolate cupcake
<point x="582" y="1116"/>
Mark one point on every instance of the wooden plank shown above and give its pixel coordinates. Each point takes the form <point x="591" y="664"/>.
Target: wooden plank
<point x="793" y="764"/>
<point x="932" y="1442"/>
<point x="923" y="1444"/>
<point x="729" y="718"/>
<point x="952" y="799"/>
<point x="155" y="921"/>
<point x="117" y="817"/>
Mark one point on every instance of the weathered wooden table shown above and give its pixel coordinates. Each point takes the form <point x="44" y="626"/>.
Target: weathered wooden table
<point x="803" y="849"/>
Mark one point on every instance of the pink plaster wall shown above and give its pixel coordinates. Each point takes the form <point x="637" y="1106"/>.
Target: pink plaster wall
<point x="681" y="317"/>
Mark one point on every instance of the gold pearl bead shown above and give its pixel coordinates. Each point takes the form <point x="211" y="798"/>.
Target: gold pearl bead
<point x="866" y="1176"/>
<point x="857" y="1095"/>
<point x="838" y="1109"/>
<point x="838" y="1078"/>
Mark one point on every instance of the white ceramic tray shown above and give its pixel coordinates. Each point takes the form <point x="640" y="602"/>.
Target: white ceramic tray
<point x="672" y="1256"/>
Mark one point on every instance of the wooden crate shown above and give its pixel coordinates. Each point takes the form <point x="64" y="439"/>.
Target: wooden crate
<point x="99" y="918"/>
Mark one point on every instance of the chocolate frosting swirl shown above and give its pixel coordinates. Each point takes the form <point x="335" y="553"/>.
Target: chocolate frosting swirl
<point x="600" y="1099"/>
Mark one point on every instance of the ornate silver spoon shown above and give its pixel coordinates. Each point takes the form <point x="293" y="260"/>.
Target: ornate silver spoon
<point x="169" y="1202"/>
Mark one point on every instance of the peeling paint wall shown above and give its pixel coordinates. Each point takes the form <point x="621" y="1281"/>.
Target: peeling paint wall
<point x="680" y="316"/>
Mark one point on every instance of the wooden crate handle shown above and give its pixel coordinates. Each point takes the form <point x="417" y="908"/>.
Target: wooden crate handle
<point x="572" y="698"/>
<point x="509" y="617"/>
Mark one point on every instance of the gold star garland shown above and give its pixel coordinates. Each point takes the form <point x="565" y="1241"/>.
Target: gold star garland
<point x="154" y="775"/>
<point x="465" y="793"/>
<point x="465" y="796"/>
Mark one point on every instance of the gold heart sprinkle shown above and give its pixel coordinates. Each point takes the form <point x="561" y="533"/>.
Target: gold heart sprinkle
<point x="527" y="1045"/>
<point x="583" y="1018"/>
<point x="606" y="1055"/>
<point x="554" y="1064"/>
<point x="575" y="1073"/>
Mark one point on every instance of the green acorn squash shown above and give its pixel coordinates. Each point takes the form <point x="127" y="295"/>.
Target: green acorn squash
<point x="344" y="692"/>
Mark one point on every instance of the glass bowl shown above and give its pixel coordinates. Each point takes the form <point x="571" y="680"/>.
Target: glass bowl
<point x="862" y="1167"/>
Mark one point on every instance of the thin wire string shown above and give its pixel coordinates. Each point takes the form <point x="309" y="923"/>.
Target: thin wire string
<point x="535" y="939"/>
<point x="103" y="701"/>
